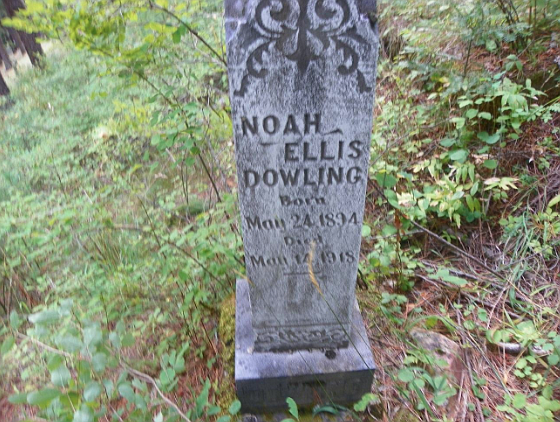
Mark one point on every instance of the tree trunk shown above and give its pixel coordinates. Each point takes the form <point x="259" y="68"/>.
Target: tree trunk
<point x="4" y="90"/>
<point x="33" y="48"/>
<point x="5" y="56"/>
<point x="17" y="40"/>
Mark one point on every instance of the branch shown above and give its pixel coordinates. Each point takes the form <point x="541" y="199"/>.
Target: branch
<point x="149" y="379"/>
<point x="45" y="346"/>
<point x="191" y="30"/>
<point x="124" y="365"/>
<point x="455" y="248"/>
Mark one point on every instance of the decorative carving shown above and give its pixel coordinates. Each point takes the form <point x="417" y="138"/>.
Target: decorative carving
<point x="302" y="31"/>
<point x="289" y="338"/>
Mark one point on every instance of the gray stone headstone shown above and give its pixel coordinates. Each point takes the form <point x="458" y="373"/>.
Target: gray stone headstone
<point x="302" y="77"/>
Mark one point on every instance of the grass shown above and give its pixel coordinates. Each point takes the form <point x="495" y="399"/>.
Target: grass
<point x="97" y="208"/>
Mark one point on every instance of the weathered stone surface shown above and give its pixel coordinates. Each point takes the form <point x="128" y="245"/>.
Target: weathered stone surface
<point x="452" y="354"/>
<point x="264" y="380"/>
<point x="302" y="77"/>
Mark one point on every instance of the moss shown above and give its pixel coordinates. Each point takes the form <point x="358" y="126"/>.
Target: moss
<point x="226" y="335"/>
<point x="405" y="415"/>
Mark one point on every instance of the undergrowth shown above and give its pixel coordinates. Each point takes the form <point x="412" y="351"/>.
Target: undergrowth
<point x="120" y="243"/>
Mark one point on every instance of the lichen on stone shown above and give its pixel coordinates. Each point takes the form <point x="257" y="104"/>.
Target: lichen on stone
<point x="226" y="335"/>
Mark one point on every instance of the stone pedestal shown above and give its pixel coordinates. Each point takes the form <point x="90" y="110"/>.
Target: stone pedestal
<point x="265" y="380"/>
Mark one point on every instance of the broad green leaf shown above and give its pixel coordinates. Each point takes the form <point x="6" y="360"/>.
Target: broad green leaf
<point x="139" y="402"/>
<point x="115" y="340"/>
<point x="126" y="391"/>
<point x="469" y="325"/>
<point x="92" y="335"/>
<point x="366" y="230"/>
<point x="179" y="32"/>
<point x="213" y="410"/>
<point x="128" y="340"/>
<point x="386" y="180"/>
<point x="519" y="401"/>
<point x="54" y="362"/>
<point x="554" y="201"/>
<point x="15" y="320"/>
<point x="167" y="376"/>
<point x="292" y="407"/>
<point x="234" y="407"/>
<point x="491" y="45"/>
<point x="448" y="142"/>
<point x="553" y="360"/>
<point x="109" y="387"/>
<point x="7" y="345"/>
<point x="455" y="280"/>
<point x="366" y="399"/>
<point x="389" y="230"/>
<point x="20" y="398"/>
<point x="42" y="397"/>
<point x="490" y="164"/>
<point x="85" y="414"/>
<point x="99" y="361"/>
<point x="406" y="375"/>
<point x="60" y="376"/>
<point x="444" y="275"/>
<point x="202" y="399"/>
<point x="494" y="336"/>
<point x="459" y="155"/>
<point x="489" y="139"/>
<point x="471" y="113"/>
<point x="66" y="306"/>
<point x="459" y="121"/>
<point x="69" y="343"/>
<point x="45" y="317"/>
<point x="92" y="391"/>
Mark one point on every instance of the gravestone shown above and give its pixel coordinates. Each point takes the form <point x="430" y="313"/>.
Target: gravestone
<point x="302" y="77"/>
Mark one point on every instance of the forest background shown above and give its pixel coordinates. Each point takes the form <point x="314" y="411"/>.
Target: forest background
<point x="119" y="233"/>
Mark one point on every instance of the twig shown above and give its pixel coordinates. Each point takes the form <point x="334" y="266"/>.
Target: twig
<point x="455" y="248"/>
<point x="45" y="346"/>
<point x="152" y="227"/>
<point x="190" y="29"/>
<point x="463" y="293"/>
<point x="149" y="379"/>
<point x="124" y="365"/>
<point x="469" y="366"/>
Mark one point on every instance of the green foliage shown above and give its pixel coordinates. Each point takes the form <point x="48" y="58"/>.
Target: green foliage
<point x="108" y="196"/>
<point x="543" y="410"/>
<point x="88" y="366"/>
<point x="118" y="231"/>
<point x="419" y="381"/>
<point x="365" y="401"/>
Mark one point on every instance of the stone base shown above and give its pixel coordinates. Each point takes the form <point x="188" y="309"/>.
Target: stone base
<point x="264" y="380"/>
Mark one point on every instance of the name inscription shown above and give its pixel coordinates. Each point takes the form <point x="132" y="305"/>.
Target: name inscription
<point x="320" y="154"/>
